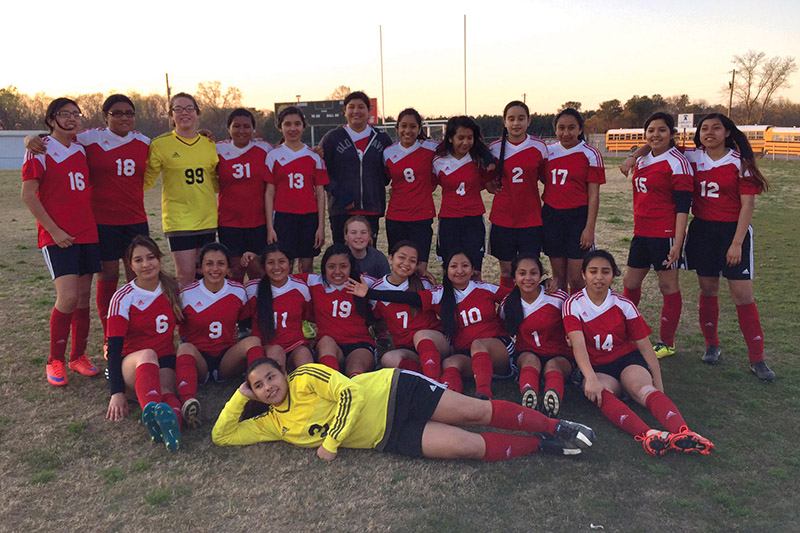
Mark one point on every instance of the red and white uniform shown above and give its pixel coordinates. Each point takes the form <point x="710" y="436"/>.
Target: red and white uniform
<point x="518" y="205"/>
<point x="610" y="329"/>
<point x="542" y="329"/>
<point x="568" y="173"/>
<point x="401" y="322"/>
<point x="144" y="318"/>
<point x="462" y="181"/>
<point x="209" y="318"/>
<point x="654" y="180"/>
<point x="335" y="311"/>
<point x="718" y="185"/>
<point x="476" y="311"/>
<point x="64" y="190"/>
<point x="291" y="304"/>
<point x="242" y="172"/>
<point x="294" y="175"/>
<point x="409" y="170"/>
<point x="116" y="174"/>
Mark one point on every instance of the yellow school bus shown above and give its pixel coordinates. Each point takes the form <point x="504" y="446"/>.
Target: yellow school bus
<point x="782" y="142"/>
<point x="629" y="139"/>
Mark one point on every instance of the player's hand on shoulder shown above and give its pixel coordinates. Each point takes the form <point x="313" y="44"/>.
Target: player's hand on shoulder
<point x="34" y="144"/>
<point x="208" y="135"/>
<point x="318" y="150"/>
<point x="325" y="455"/>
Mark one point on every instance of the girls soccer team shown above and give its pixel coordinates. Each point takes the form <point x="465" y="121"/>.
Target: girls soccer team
<point x="465" y="327"/>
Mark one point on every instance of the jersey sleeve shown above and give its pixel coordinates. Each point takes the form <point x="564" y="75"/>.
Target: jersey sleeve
<point x="597" y="170"/>
<point x="118" y="315"/>
<point x="346" y="393"/>
<point x="320" y="172"/>
<point x="635" y="325"/>
<point x="571" y="317"/>
<point x="229" y="431"/>
<point x="32" y="167"/>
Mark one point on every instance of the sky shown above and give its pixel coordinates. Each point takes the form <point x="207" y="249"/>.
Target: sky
<point x="551" y="52"/>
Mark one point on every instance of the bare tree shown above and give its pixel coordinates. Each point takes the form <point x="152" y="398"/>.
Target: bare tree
<point x="758" y="78"/>
<point x="572" y="104"/>
<point x="215" y="105"/>
<point x="339" y="93"/>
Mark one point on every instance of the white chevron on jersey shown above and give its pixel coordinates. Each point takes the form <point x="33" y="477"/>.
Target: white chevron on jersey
<point x="107" y="139"/>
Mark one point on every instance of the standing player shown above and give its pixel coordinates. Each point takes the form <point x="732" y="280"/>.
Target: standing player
<point x="211" y="306"/>
<point x="354" y="158"/>
<point x="55" y="189"/>
<point x="468" y="310"/>
<point x="533" y="319"/>
<point x="458" y="168"/>
<point x="611" y="347"/>
<point x="242" y="173"/>
<point x="662" y="196"/>
<point x="141" y="349"/>
<point x="342" y="319"/>
<point x="279" y="304"/>
<point x="416" y="333"/>
<point x="390" y="410"/>
<point x="408" y="167"/>
<point x="571" y="197"/>
<point x="516" y="215"/>
<point x="295" y="195"/>
<point x="117" y="156"/>
<point x="720" y="238"/>
<point x="187" y="162"/>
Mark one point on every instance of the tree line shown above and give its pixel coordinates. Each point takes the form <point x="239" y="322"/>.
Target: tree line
<point x="755" y="89"/>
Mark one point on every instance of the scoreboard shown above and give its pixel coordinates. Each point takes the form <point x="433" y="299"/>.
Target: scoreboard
<point x="326" y="112"/>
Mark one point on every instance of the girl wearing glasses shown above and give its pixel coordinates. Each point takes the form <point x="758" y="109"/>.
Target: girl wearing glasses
<point x="187" y="162"/>
<point x="55" y="189"/>
<point x="116" y="156"/>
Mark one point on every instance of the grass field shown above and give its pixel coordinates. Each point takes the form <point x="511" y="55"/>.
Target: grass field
<point x="63" y="466"/>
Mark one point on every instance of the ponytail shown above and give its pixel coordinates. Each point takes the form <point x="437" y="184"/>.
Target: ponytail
<point x="502" y="162"/>
<point x="171" y="291"/>
<point x="447" y="308"/>
<point x="512" y="310"/>
<point x="266" y="322"/>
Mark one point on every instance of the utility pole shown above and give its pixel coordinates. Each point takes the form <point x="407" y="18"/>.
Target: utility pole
<point x="169" y="91"/>
<point x="383" y="103"/>
<point x="730" y="99"/>
<point x="465" y="64"/>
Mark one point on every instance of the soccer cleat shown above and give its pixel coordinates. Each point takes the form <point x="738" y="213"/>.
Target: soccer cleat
<point x="83" y="366"/>
<point x="662" y="350"/>
<point x="190" y="411"/>
<point x="551" y="403"/>
<point x="57" y="373"/>
<point x="149" y="421"/>
<point x="574" y="434"/>
<point x="529" y="398"/>
<point x="687" y="441"/>
<point x="761" y="370"/>
<point x="167" y="420"/>
<point x="309" y="330"/>
<point x="655" y="442"/>
<point x="711" y="357"/>
<point x="556" y="446"/>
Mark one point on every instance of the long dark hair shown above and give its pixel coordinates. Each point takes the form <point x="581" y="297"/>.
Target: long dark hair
<point x="512" y="308"/>
<point x="448" y="305"/>
<point x="737" y="140"/>
<point x="668" y="120"/>
<point x="266" y="322"/>
<point x="341" y="249"/>
<point x="478" y="146"/>
<point x="504" y="139"/>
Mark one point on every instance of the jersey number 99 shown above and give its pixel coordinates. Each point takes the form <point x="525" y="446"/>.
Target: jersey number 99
<point x="193" y="175"/>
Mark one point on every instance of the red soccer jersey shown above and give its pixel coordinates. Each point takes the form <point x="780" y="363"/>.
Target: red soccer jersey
<point x="517" y="205"/>
<point x="291" y="304"/>
<point x="294" y="175"/>
<point x="209" y="318"/>
<point x="462" y="181"/>
<point x="542" y="329"/>
<point x="476" y="311"/>
<point x="568" y="173"/>
<point x="610" y="330"/>
<point x="242" y="172"/>
<point x="64" y="190"/>
<point x="335" y="311"/>
<point x="409" y="170"/>
<point x="116" y="174"/>
<point x="144" y="318"/>
<point x="401" y="322"/>
<point x="654" y="180"/>
<point x="718" y="185"/>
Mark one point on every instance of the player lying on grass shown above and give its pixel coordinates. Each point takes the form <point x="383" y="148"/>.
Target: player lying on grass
<point x="391" y="410"/>
<point x="612" y="348"/>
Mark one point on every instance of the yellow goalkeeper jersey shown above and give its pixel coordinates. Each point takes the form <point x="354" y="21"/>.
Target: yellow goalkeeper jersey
<point x="321" y="407"/>
<point x="188" y="169"/>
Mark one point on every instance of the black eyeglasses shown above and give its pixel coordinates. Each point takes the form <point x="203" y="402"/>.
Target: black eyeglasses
<point x="119" y="114"/>
<point x="180" y="109"/>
